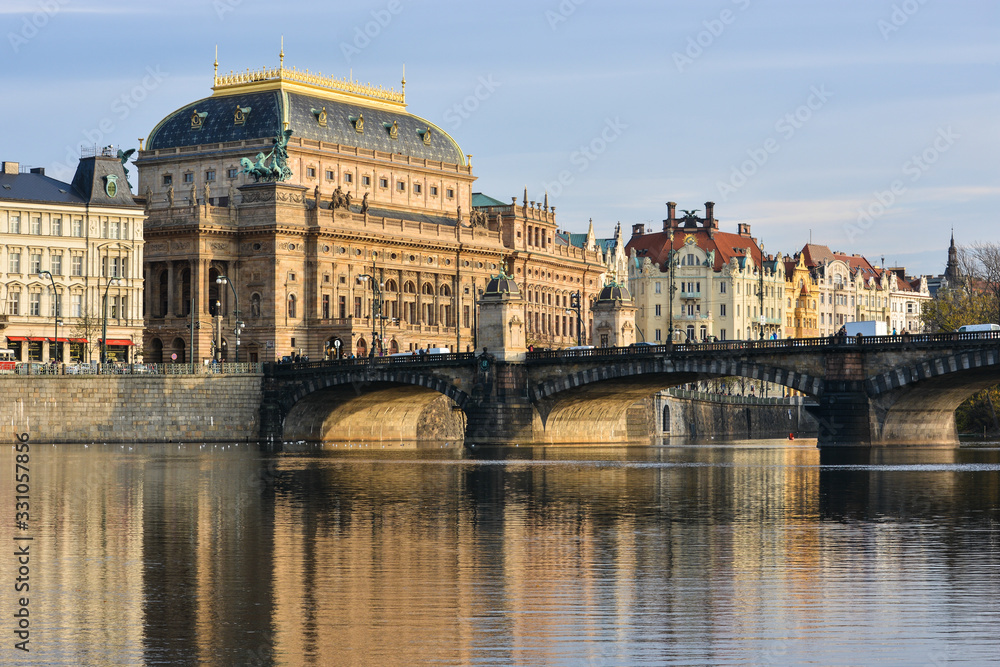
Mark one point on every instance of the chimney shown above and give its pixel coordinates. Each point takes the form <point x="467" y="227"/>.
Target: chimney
<point x="744" y="229"/>
<point x="710" y="214"/>
<point x="638" y="229"/>
<point x="671" y="212"/>
<point x="11" y="168"/>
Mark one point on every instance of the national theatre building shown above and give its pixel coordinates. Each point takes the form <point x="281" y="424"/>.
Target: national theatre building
<point x="338" y="223"/>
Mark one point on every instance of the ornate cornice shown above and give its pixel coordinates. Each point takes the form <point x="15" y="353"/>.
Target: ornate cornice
<point x="347" y="89"/>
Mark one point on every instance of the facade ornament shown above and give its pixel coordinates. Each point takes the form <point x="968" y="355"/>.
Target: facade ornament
<point x="194" y="195"/>
<point x="170" y="196"/>
<point x="347" y="201"/>
<point x="338" y="198"/>
<point x="364" y="204"/>
<point x="208" y="193"/>
<point x="149" y="197"/>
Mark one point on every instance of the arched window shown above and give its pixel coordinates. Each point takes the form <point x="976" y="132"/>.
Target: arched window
<point x="390" y="286"/>
<point x="291" y="305"/>
<point x="409" y="287"/>
<point x="427" y="289"/>
<point x="445" y="290"/>
<point x="666" y="419"/>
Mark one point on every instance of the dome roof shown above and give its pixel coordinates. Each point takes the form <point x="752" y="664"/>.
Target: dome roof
<point x="502" y="284"/>
<point x="614" y="292"/>
<point x="258" y="104"/>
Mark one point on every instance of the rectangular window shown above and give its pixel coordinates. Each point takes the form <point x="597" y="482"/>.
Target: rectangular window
<point x="658" y="313"/>
<point x="357" y="307"/>
<point x="14" y="302"/>
<point x="77" y="227"/>
<point x="416" y="188"/>
<point x="35" y="304"/>
<point x="116" y="230"/>
<point x="434" y="191"/>
<point x="722" y="288"/>
<point x="189" y="178"/>
<point x="232" y="173"/>
<point x="326" y="306"/>
<point x="450" y="193"/>
<point x="55" y="264"/>
<point x="56" y="226"/>
<point x="348" y="178"/>
<point x="366" y="181"/>
<point x="77" y="265"/>
<point x="342" y="307"/>
<point x="168" y="179"/>
<point x="722" y="310"/>
<point x="36" y="262"/>
<point x="76" y="306"/>
<point x="465" y="316"/>
<point x="656" y="288"/>
<point x="311" y="172"/>
<point x="36" y="226"/>
<point x="14" y="261"/>
<point x="15" y="224"/>
<point x="329" y="174"/>
<point x="383" y="182"/>
<point x="210" y="175"/>
<point x="401" y="186"/>
<point x="657" y="336"/>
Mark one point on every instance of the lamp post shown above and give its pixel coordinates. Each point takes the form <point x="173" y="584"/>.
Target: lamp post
<point x="223" y="280"/>
<point x="672" y="288"/>
<point x="575" y="306"/>
<point x="377" y="319"/>
<point x="113" y="280"/>
<point x="55" y="308"/>
<point x="760" y="290"/>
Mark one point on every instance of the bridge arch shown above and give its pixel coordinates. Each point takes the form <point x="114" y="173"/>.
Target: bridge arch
<point x="679" y="372"/>
<point x="612" y="402"/>
<point x="380" y="404"/>
<point x="916" y="403"/>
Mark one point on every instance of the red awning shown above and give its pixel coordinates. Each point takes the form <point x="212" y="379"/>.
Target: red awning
<point x="116" y="341"/>
<point x="17" y="339"/>
<point x="78" y="340"/>
<point x="59" y="340"/>
<point x="36" y="338"/>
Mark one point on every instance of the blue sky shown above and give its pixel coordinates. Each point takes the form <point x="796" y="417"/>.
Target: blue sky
<point x="869" y="125"/>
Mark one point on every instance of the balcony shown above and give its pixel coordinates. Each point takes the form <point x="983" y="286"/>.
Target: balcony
<point x="690" y="295"/>
<point x="696" y="316"/>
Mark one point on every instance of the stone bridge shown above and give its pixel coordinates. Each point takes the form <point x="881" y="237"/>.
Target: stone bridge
<point x="888" y="390"/>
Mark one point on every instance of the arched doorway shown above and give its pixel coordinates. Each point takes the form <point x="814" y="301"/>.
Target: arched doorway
<point x="393" y="346"/>
<point x="362" y="348"/>
<point x="155" y="351"/>
<point x="666" y="419"/>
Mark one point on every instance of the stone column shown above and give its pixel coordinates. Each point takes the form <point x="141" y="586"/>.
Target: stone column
<point x="171" y="290"/>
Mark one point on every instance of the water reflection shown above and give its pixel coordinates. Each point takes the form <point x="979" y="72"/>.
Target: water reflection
<point x="754" y="552"/>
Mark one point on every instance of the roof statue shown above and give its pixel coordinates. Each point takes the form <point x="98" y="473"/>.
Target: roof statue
<point x="124" y="156"/>
<point x="278" y="169"/>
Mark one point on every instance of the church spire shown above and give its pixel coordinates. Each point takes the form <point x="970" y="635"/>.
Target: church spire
<point x="951" y="273"/>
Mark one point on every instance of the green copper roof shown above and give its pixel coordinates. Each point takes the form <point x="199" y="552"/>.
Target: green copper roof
<point x="479" y="199"/>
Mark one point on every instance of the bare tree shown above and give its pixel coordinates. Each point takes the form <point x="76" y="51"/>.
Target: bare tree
<point x="975" y="299"/>
<point x="984" y="276"/>
<point x="88" y="327"/>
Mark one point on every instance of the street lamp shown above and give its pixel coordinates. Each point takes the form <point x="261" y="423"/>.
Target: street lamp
<point x="671" y="255"/>
<point x="760" y="290"/>
<point x="377" y="320"/>
<point x="113" y="280"/>
<point x="55" y="307"/>
<point x="575" y="306"/>
<point x="223" y="280"/>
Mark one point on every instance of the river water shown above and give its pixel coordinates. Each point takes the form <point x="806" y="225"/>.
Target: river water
<point x="760" y="553"/>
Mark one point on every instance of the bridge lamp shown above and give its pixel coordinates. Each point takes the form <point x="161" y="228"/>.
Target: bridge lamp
<point x="223" y="280"/>
<point x="116" y="281"/>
